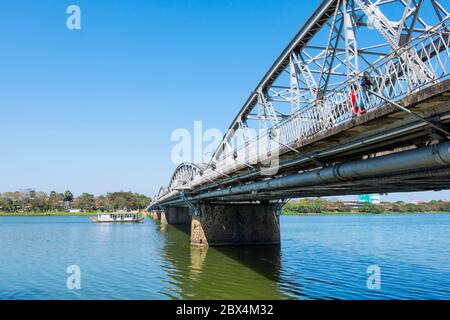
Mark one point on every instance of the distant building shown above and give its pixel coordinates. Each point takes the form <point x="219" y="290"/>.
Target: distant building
<point x="369" y="198"/>
<point x="352" y="204"/>
<point x="416" y="202"/>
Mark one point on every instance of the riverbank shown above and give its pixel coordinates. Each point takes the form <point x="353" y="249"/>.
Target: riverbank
<point x="47" y="214"/>
<point x="357" y="213"/>
<point x="288" y="214"/>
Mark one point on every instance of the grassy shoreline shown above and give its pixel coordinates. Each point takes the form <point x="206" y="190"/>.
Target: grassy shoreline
<point x="293" y="214"/>
<point x="48" y="214"/>
<point x="287" y="214"/>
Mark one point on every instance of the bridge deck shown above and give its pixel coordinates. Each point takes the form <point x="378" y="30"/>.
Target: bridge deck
<point x="317" y="147"/>
<point x="378" y="133"/>
<point x="362" y="136"/>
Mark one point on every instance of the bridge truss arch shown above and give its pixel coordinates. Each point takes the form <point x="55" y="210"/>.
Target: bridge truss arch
<point x="184" y="175"/>
<point x="403" y="45"/>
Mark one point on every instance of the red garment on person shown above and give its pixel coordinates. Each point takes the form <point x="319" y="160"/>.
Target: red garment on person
<point x="353" y="101"/>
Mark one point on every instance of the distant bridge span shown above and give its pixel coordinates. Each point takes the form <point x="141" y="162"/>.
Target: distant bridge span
<point x="358" y="102"/>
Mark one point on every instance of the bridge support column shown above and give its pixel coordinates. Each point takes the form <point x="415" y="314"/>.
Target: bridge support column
<point x="175" y="215"/>
<point x="154" y="214"/>
<point x="220" y="225"/>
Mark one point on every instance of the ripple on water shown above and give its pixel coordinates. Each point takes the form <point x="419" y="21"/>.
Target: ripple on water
<point x="323" y="257"/>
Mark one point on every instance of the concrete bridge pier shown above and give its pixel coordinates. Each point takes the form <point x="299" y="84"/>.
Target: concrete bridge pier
<point x="154" y="214"/>
<point x="235" y="224"/>
<point x="175" y="215"/>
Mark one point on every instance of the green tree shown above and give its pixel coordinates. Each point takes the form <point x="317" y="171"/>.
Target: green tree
<point x="68" y="198"/>
<point x="4" y="204"/>
<point x="56" y="201"/>
<point x="142" y="201"/>
<point x="371" y="208"/>
<point x="40" y="202"/>
<point x="101" y="203"/>
<point x="85" y="202"/>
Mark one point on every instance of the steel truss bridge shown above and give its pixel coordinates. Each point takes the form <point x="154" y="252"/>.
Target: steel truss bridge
<point x="297" y="135"/>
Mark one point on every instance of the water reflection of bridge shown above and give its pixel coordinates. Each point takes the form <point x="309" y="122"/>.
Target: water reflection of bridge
<point x="219" y="272"/>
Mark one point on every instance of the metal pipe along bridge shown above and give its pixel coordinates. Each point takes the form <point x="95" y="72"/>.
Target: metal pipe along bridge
<point x="358" y="102"/>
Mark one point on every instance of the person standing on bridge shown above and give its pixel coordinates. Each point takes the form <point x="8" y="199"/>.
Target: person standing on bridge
<point x="354" y="100"/>
<point x="366" y="84"/>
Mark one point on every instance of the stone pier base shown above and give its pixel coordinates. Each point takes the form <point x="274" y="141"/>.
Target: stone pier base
<point x="154" y="214"/>
<point x="175" y="215"/>
<point x="233" y="224"/>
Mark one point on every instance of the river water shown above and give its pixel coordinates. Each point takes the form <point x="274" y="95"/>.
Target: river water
<point x="325" y="257"/>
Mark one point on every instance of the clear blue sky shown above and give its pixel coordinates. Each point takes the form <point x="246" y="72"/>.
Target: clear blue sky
<point x="93" y="109"/>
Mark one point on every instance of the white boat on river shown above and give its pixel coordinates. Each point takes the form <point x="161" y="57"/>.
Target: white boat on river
<point x="118" y="217"/>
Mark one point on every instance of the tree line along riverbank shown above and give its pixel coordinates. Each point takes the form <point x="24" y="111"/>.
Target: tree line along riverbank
<point x="326" y="206"/>
<point x="48" y="214"/>
<point x="36" y="203"/>
<point x="31" y="202"/>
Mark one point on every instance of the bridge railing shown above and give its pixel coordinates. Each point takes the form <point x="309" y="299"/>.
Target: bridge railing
<point x="422" y="62"/>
